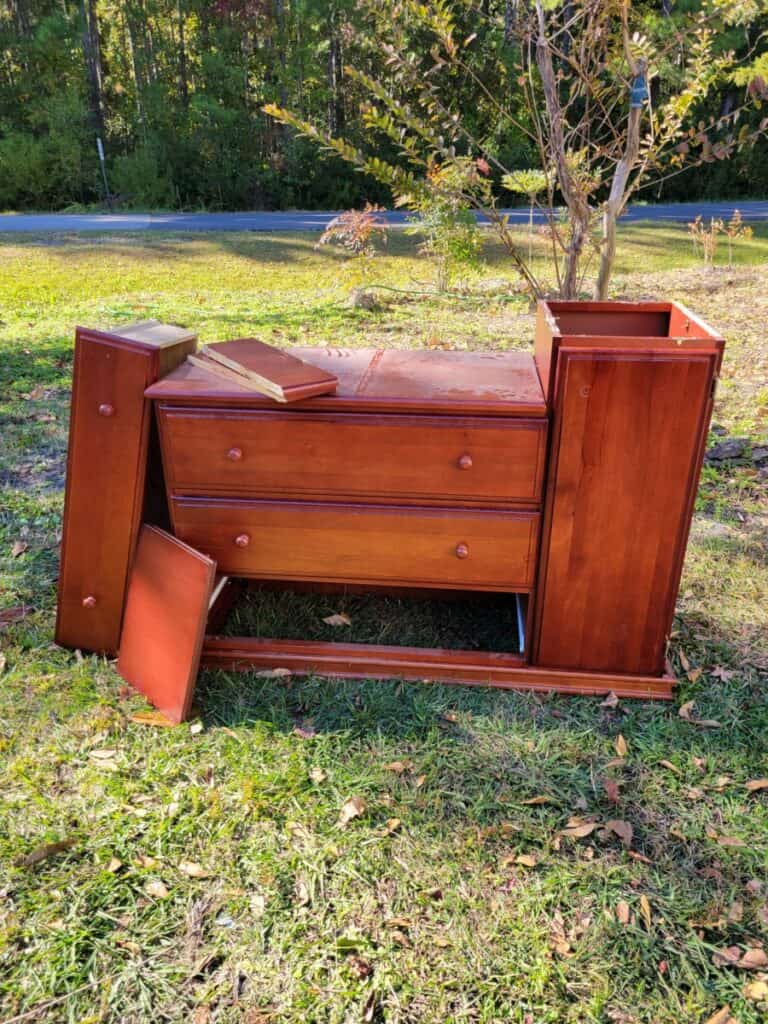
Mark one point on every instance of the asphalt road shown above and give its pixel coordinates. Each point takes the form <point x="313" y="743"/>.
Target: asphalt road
<point x="296" y="220"/>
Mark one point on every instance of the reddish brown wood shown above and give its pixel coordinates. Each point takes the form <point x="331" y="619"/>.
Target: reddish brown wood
<point x="276" y="373"/>
<point x="630" y="419"/>
<point x="470" y="668"/>
<point x="462" y="460"/>
<point x="165" y="615"/>
<point x="106" y="477"/>
<point x="361" y="543"/>
<point x="461" y="383"/>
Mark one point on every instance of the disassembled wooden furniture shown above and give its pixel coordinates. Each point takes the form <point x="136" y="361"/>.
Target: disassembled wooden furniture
<point x="565" y="479"/>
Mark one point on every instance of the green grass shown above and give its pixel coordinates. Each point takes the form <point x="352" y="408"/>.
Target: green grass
<point x="417" y="910"/>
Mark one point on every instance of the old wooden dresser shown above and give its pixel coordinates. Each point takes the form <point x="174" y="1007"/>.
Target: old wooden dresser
<point x="565" y="478"/>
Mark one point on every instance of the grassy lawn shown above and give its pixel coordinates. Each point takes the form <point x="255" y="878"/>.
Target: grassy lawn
<point x="208" y="874"/>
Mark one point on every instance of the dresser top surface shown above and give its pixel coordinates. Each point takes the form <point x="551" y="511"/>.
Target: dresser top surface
<point x="377" y="380"/>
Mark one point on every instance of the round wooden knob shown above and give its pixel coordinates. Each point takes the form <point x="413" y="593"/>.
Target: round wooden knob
<point x="465" y="462"/>
<point x="89" y="602"/>
<point x="235" y="454"/>
<point x="105" y="409"/>
<point x="242" y="540"/>
<point x="462" y="551"/>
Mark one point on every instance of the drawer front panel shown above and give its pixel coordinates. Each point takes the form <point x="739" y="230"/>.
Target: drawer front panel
<point x="365" y="544"/>
<point x="387" y="458"/>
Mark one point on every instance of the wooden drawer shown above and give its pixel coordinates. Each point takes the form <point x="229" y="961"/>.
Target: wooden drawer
<point x="357" y="543"/>
<point x="390" y="458"/>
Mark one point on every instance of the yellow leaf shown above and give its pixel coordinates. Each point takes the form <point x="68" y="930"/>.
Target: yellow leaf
<point x="526" y="860"/>
<point x="621" y="746"/>
<point x="536" y="800"/>
<point x="156" y="889"/>
<point x="671" y="767"/>
<point x="393" y="824"/>
<point x="722" y="1017"/>
<point x="318" y="775"/>
<point x="352" y="808"/>
<point x="757" y="991"/>
<point x="756" y="784"/>
<point x="114" y="865"/>
<point x="685" y="710"/>
<point x="156" y="718"/>
<point x="645" y="910"/>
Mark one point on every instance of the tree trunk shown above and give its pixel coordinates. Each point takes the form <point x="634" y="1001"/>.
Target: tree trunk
<point x="92" y="54"/>
<point x="335" y="71"/>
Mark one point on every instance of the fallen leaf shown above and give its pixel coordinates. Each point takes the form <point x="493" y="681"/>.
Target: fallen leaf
<point x="352" y="808"/>
<point x="361" y="968"/>
<point x="686" y="713"/>
<point x="721" y="673"/>
<point x="273" y="673"/>
<point x="757" y="991"/>
<point x="645" y="910"/>
<point x="441" y="941"/>
<point x="114" y="865"/>
<point x="623" y="913"/>
<point x="639" y="856"/>
<point x="579" y="831"/>
<point x="398" y="767"/>
<point x="685" y="710"/>
<point x="155" y="718"/>
<point x="754" y="887"/>
<point x="318" y="775"/>
<point x="671" y="767"/>
<point x="41" y="853"/>
<point x="684" y="662"/>
<point x="534" y="801"/>
<point x="622" y="829"/>
<point x="722" y="1017"/>
<point x="526" y="860"/>
<point x="611" y="788"/>
<point x="338" y="619"/>
<point x="3" y="662"/>
<point x="398" y="922"/>
<point x="735" y="912"/>
<point x="302" y="894"/>
<point x="306" y="730"/>
<point x="611" y="701"/>
<point x="103" y="755"/>
<point x="393" y="824"/>
<point x="753" y="960"/>
<point x="419" y="781"/>
<point x="400" y="938"/>
<point x="192" y="870"/>
<point x="19" y="547"/>
<point x="695" y="674"/>
<point x="11" y="615"/>
<point x="196" y="728"/>
<point x="156" y="889"/>
<point x="731" y="841"/>
<point x="727" y="957"/>
<point x="143" y="861"/>
<point x="621" y="746"/>
<point x="754" y="785"/>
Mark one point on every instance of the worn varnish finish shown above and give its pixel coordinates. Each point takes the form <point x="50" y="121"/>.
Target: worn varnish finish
<point x="486" y="550"/>
<point x="165" y="614"/>
<point x="106" y="480"/>
<point x="248" y="453"/>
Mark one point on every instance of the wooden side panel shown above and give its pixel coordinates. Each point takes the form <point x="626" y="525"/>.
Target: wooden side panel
<point x="391" y="458"/>
<point x="623" y="468"/>
<point x="363" y="543"/>
<point x="106" y="482"/>
<point x="165" y="615"/>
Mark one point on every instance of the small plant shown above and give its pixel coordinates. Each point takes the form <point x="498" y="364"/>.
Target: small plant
<point x="736" y="228"/>
<point x="705" y="238"/>
<point x="356" y="231"/>
<point x="446" y="216"/>
<point x="530" y="183"/>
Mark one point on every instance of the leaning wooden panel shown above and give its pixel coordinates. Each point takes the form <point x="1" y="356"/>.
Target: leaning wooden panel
<point x="166" y="610"/>
<point x="106" y="474"/>
<point x="625" y="460"/>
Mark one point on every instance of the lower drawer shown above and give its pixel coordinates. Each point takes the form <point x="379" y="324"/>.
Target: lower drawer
<point x="485" y="550"/>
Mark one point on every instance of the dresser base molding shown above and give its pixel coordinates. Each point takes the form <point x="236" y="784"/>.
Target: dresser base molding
<point x="468" y="668"/>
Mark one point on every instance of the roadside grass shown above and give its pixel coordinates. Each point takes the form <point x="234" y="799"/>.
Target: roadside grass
<point x="209" y="876"/>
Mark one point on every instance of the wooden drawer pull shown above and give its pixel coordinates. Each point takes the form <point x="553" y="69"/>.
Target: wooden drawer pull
<point x="465" y="462"/>
<point x="242" y="540"/>
<point x="105" y="409"/>
<point x="462" y="551"/>
<point x="89" y="602"/>
<point x="235" y="454"/>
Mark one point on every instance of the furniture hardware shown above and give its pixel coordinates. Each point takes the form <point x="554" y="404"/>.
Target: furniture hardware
<point x="465" y="462"/>
<point x="462" y="551"/>
<point x="235" y="454"/>
<point x="242" y="540"/>
<point x="89" y="601"/>
<point x="105" y="409"/>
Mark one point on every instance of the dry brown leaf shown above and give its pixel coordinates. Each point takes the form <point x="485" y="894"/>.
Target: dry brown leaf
<point x="114" y="865"/>
<point x="393" y="824"/>
<point x="639" y="857"/>
<point x="192" y="870"/>
<point x="621" y="746"/>
<point x="754" y="887"/>
<point x="273" y="673"/>
<point x="754" y="785"/>
<point x="156" y="889"/>
<point x="732" y="841"/>
<point x="441" y="941"/>
<point x="398" y="767"/>
<point x="753" y="960"/>
<point x="722" y="1017"/>
<point x="611" y="701"/>
<point x="686" y="710"/>
<point x="615" y="762"/>
<point x="351" y="808"/>
<point x="103" y="755"/>
<point x="11" y="615"/>
<point x="400" y="937"/>
<point x="19" y="547"/>
<point x="735" y="912"/>
<point x="155" y="718"/>
<point x="3" y="662"/>
<point x="727" y="957"/>
<point x="41" y="853"/>
<point x="419" y="781"/>
<point x="622" y="829"/>
<point x="684" y="662"/>
<point x="722" y="673"/>
<point x="579" y="831"/>
<point x="534" y="801"/>
<point x="143" y="861"/>
<point x="611" y="788"/>
<point x="526" y="860"/>
<point x="623" y="913"/>
<point x="695" y="674"/>
<point x="398" y="922"/>
<point x="686" y="713"/>
<point x="302" y="893"/>
<point x="318" y="775"/>
<point x="338" y="619"/>
<point x="757" y="991"/>
<point x="196" y="728"/>
<point x="645" y="910"/>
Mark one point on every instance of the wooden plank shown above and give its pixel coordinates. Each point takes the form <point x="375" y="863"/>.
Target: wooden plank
<point x="458" y="549"/>
<point x="413" y="459"/>
<point x="469" y="668"/>
<point x="165" y="614"/>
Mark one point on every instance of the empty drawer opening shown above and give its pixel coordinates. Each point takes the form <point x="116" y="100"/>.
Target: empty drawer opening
<point x="454" y="620"/>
